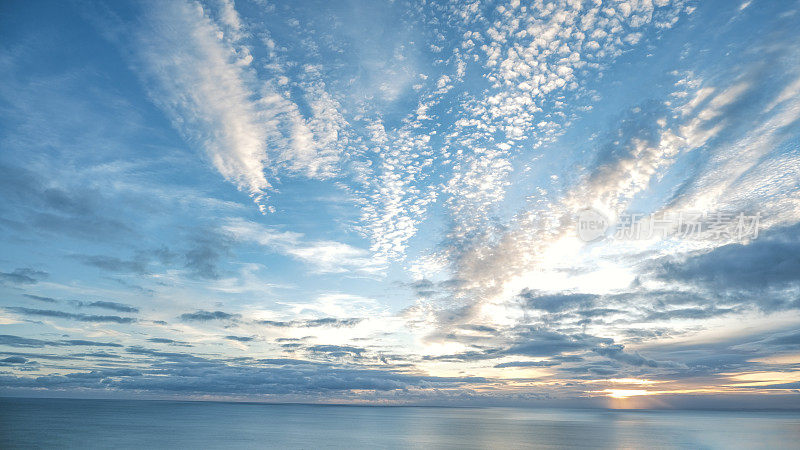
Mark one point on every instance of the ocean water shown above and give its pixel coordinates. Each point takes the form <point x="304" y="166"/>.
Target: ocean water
<point x="67" y="423"/>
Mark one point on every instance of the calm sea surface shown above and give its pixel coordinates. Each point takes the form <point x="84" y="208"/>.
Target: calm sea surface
<point x="49" y="423"/>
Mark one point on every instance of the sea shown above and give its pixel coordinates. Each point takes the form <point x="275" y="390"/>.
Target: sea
<point x="71" y="423"/>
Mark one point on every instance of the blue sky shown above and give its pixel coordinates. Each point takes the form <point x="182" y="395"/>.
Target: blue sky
<point x="376" y="201"/>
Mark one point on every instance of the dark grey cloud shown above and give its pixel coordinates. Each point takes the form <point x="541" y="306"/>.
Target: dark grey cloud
<point x="646" y="334"/>
<point x="331" y="322"/>
<point x="274" y="323"/>
<point x="192" y="374"/>
<point x="205" y="316"/>
<point x="532" y="341"/>
<point x="96" y="355"/>
<point x="762" y="272"/>
<point x="45" y="356"/>
<point x="617" y="353"/>
<point x="325" y="321"/>
<point x="469" y="355"/>
<point x="169" y="341"/>
<point x="556" y="302"/>
<point x="205" y="253"/>
<point x="567" y="358"/>
<point x="140" y="263"/>
<point x="478" y="328"/>
<point x="689" y="313"/>
<point x="597" y="368"/>
<point x="39" y="298"/>
<point x="540" y="342"/>
<point x="113" y="264"/>
<point x="102" y="374"/>
<point x="240" y="338"/>
<point x="112" y="306"/>
<point x="172" y="356"/>
<point x="34" y="202"/>
<point x="70" y="316"/>
<point x="161" y="340"/>
<point x="337" y="351"/>
<point x="426" y="288"/>
<point x="13" y="360"/>
<point x="290" y="362"/>
<point x="18" y="341"/>
<point x="23" y="276"/>
<point x="734" y="354"/>
<point x="593" y="313"/>
<point x="90" y="343"/>
<point x="527" y="364"/>
<point x="786" y="340"/>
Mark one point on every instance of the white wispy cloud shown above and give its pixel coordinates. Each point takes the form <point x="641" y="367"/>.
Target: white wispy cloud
<point x="201" y="73"/>
<point x="322" y="255"/>
<point x="196" y="78"/>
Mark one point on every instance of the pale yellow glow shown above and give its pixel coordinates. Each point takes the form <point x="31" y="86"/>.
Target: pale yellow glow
<point x="625" y="381"/>
<point x="767" y="377"/>
<point x="8" y="320"/>
<point x="781" y="359"/>
<point x="624" y="393"/>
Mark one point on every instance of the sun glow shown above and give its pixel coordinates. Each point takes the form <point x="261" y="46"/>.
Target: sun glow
<point x="624" y="393"/>
<point x="625" y="381"/>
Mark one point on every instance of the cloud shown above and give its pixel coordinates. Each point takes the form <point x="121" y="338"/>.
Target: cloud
<point x="23" y="276"/>
<point x="337" y="351"/>
<point x="556" y="302"/>
<point x="39" y="203"/>
<point x="540" y="342"/>
<point x="194" y="77"/>
<point x="532" y="341"/>
<point x="788" y="340"/>
<point x="207" y="86"/>
<point x="311" y="323"/>
<point x="240" y="338"/>
<point x="83" y="342"/>
<point x="113" y="264"/>
<point x="112" y="306"/>
<point x="17" y="341"/>
<point x="689" y="313"/>
<point x="324" y="256"/>
<point x="617" y="353"/>
<point x="70" y="316"/>
<point x="13" y="360"/>
<point x="96" y="355"/>
<point x="762" y="272"/>
<point x="206" y="251"/>
<point x="39" y="298"/>
<point x="526" y="364"/>
<point x="202" y="253"/>
<point x="206" y="376"/>
<point x="205" y="316"/>
<point x="168" y="341"/>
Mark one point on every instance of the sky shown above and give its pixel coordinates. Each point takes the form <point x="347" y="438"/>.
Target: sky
<point x="382" y="201"/>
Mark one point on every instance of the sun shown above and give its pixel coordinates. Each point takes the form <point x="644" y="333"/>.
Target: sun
<point x="625" y="393"/>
